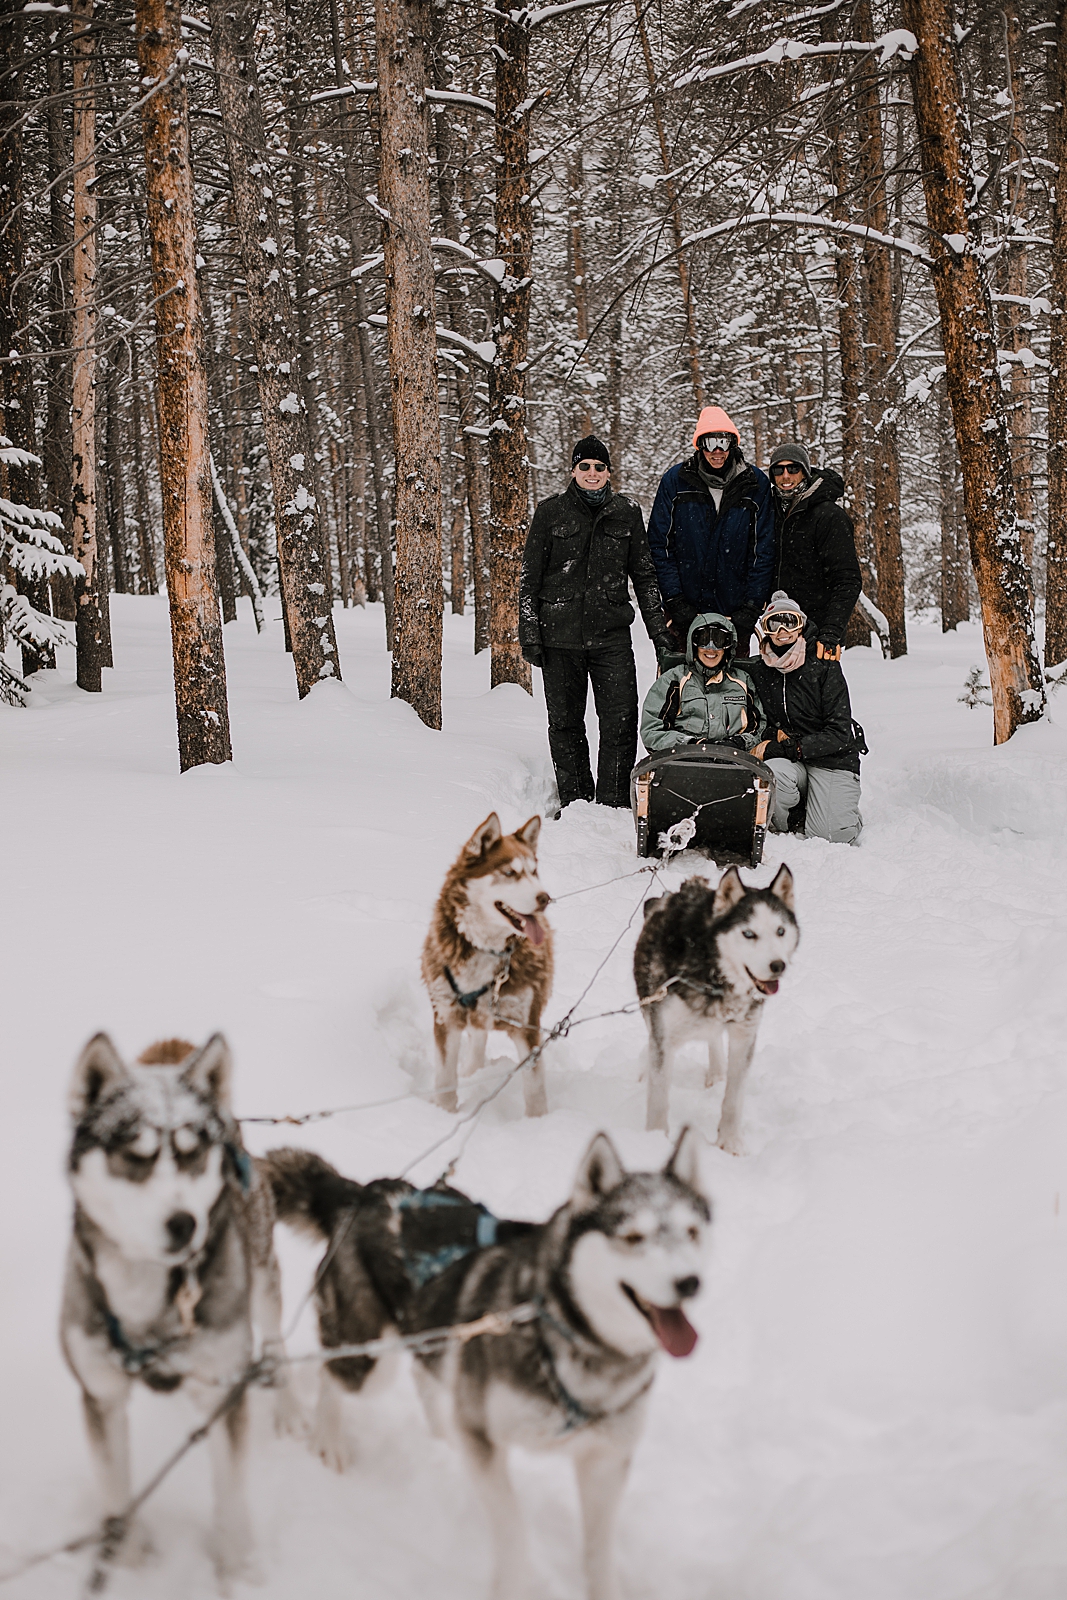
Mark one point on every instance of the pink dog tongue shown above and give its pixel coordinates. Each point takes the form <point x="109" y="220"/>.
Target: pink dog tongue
<point x="673" y="1329"/>
<point x="533" y="930"/>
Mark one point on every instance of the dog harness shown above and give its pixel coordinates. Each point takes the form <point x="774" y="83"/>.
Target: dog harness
<point x="434" y="1233"/>
<point x="469" y="998"/>
<point x="578" y="1415"/>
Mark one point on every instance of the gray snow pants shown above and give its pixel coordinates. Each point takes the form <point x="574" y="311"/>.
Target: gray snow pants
<point x="833" y="810"/>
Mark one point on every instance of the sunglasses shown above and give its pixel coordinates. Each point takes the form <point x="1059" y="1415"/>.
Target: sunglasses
<point x="592" y="466"/>
<point x="716" y="441"/>
<point x="784" y="466"/>
<point x="712" y="635"/>
<point x="782" y="622"/>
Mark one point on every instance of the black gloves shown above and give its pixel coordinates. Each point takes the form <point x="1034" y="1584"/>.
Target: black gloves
<point x="784" y="749"/>
<point x="533" y="654"/>
<point x="679" y="614"/>
<point x="744" y="620"/>
<point x="664" y="648"/>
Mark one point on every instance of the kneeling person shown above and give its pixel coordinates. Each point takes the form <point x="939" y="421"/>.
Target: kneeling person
<point x="706" y="701"/>
<point x="811" y="747"/>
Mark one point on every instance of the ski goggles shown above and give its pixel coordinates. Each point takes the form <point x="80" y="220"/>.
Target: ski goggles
<point x="716" y="441"/>
<point x="781" y="622"/>
<point x="712" y="636"/>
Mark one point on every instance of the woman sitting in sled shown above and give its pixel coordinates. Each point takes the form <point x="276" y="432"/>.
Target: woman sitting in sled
<point x="812" y="746"/>
<point x="707" y="700"/>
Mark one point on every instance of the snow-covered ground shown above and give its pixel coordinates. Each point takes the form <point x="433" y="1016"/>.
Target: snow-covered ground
<point x="877" y="1409"/>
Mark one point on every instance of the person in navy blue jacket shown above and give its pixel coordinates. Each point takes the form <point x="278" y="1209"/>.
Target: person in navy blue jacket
<point x="711" y="533"/>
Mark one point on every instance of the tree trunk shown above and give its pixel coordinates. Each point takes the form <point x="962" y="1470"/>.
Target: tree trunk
<point x="89" y="599"/>
<point x="147" y="576"/>
<point x="969" y="342"/>
<point x="402" y="32"/>
<point x="692" y="337"/>
<point x="366" y="356"/>
<point x="58" y="447"/>
<point x="882" y="383"/>
<point x="115" y="470"/>
<point x="1056" y="559"/>
<point x="182" y="397"/>
<point x="955" y="602"/>
<point x="509" y="483"/>
<point x="1014" y="279"/>
<point x="303" y="552"/>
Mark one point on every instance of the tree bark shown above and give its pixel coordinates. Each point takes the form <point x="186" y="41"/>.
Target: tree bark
<point x="882" y="383"/>
<point x="182" y="397"/>
<point x="58" y="446"/>
<point x="692" y="337"/>
<point x="303" y="552"/>
<point x="509" y="482"/>
<point x="89" y="598"/>
<point x="1056" y="555"/>
<point x="969" y="342"/>
<point x="955" y="601"/>
<point x="402" y="32"/>
<point x="1014" y="279"/>
<point x="383" y="539"/>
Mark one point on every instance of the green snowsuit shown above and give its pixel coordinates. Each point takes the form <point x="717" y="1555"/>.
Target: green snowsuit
<point x="720" y="706"/>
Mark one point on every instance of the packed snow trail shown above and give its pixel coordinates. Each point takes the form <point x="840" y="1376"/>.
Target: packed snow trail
<point x="878" y="1404"/>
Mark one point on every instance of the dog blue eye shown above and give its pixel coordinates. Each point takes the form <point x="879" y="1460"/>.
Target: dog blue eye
<point x="781" y="933"/>
<point x="749" y="934"/>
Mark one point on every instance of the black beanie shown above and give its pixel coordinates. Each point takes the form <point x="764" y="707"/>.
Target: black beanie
<point x="590" y="449"/>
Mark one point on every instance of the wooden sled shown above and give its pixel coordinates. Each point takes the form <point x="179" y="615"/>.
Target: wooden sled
<point x="713" y="798"/>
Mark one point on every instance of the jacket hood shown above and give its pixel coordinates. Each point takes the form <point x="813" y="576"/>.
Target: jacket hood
<point x="825" y="485"/>
<point x="702" y="621"/>
<point x="713" y="419"/>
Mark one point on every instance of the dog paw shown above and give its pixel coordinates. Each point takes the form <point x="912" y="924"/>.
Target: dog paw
<point x="136" y="1549"/>
<point x="733" y="1144"/>
<point x="234" y="1559"/>
<point x="334" y="1450"/>
<point x="289" y="1420"/>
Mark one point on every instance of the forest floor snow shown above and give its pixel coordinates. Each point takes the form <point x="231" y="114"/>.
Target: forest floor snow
<point x="877" y="1407"/>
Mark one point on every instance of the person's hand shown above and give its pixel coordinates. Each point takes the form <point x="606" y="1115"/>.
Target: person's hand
<point x="663" y="647"/>
<point x="744" y="620"/>
<point x="759" y="750"/>
<point x="532" y="654"/>
<point x="678" y="615"/>
<point x="827" y="650"/>
<point x="787" y="749"/>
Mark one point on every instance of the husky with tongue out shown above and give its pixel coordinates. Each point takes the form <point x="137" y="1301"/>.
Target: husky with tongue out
<point x="608" y="1277"/>
<point x="487" y="960"/>
<point x="705" y="962"/>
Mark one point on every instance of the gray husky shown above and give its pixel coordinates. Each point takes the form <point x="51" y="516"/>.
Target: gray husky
<point x="705" y="962"/>
<point x="171" y="1255"/>
<point x="608" y="1276"/>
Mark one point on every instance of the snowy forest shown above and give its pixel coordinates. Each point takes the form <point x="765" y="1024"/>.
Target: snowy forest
<point x="223" y="237"/>
<point x="306" y="307"/>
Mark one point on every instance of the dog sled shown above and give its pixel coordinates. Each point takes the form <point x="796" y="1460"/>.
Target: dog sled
<point x="712" y="797"/>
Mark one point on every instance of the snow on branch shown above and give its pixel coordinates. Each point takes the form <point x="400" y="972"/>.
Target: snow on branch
<point x="255" y="593"/>
<point x="493" y="268"/>
<point x="855" y="230"/>
<point x="451" y="97"/>
<point x="484" y="352"/>
<point x="897" y="42"/>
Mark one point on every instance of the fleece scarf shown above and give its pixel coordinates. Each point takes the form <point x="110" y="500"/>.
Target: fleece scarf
<point x="793" y="658"/>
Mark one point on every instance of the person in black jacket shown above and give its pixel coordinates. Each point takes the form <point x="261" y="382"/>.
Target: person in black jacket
<point x="815" y="547"/>
<point x="574" y="622"/>
<point x="812" y="746"/>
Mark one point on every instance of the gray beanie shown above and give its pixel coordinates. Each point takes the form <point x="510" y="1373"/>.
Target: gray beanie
<point x="792" y="452"/>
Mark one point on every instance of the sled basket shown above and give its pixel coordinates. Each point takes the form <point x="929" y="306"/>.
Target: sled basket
<point x="717" y="799"/>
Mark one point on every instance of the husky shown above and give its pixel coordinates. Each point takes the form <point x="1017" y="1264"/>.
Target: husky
<point x="170" y="1257"/>
<point x="607" y="1278"/>
<point x="487" y="960"/>
<point x="705" y="961"/>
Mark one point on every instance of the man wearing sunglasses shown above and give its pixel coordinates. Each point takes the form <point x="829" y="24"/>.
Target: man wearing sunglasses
<point x="711" y="532"/>
<point x="706" y="701"/>
<point x="583" y="548"/>
<point x="815" y="547"/>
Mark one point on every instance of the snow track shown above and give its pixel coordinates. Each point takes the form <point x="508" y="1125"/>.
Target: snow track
<point x="877" y="1408"/>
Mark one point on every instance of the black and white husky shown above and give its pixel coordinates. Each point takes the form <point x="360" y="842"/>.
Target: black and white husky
<point x="607" y="1276"/>
<point x="171" y="1259"/>
<point x="705" y="962"/>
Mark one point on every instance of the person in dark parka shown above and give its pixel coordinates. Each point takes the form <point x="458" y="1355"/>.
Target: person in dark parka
<point x="711" y="533"/>
<point x="574" y="622"/>
<point x="815" y="548"/>
<point x="811" y="745"/>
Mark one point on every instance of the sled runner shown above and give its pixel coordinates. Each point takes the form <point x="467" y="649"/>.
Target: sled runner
<point x="716" y="798"/>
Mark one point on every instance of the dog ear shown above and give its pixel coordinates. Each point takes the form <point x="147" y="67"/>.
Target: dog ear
<point x="529" y="832"/>
<point x="684" y="1160"/>
<point x="210" y="1071"/>
<point x="484" y="835"/>
<point x="100" y="1068"/>
<point x="601" y="1171"/>
<point x="782" y="886"/>
<point x="650" y="906"/>
<point x="729" y="892"/>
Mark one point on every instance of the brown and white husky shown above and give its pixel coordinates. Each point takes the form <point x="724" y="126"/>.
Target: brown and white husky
<point x="487" y="960"/>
